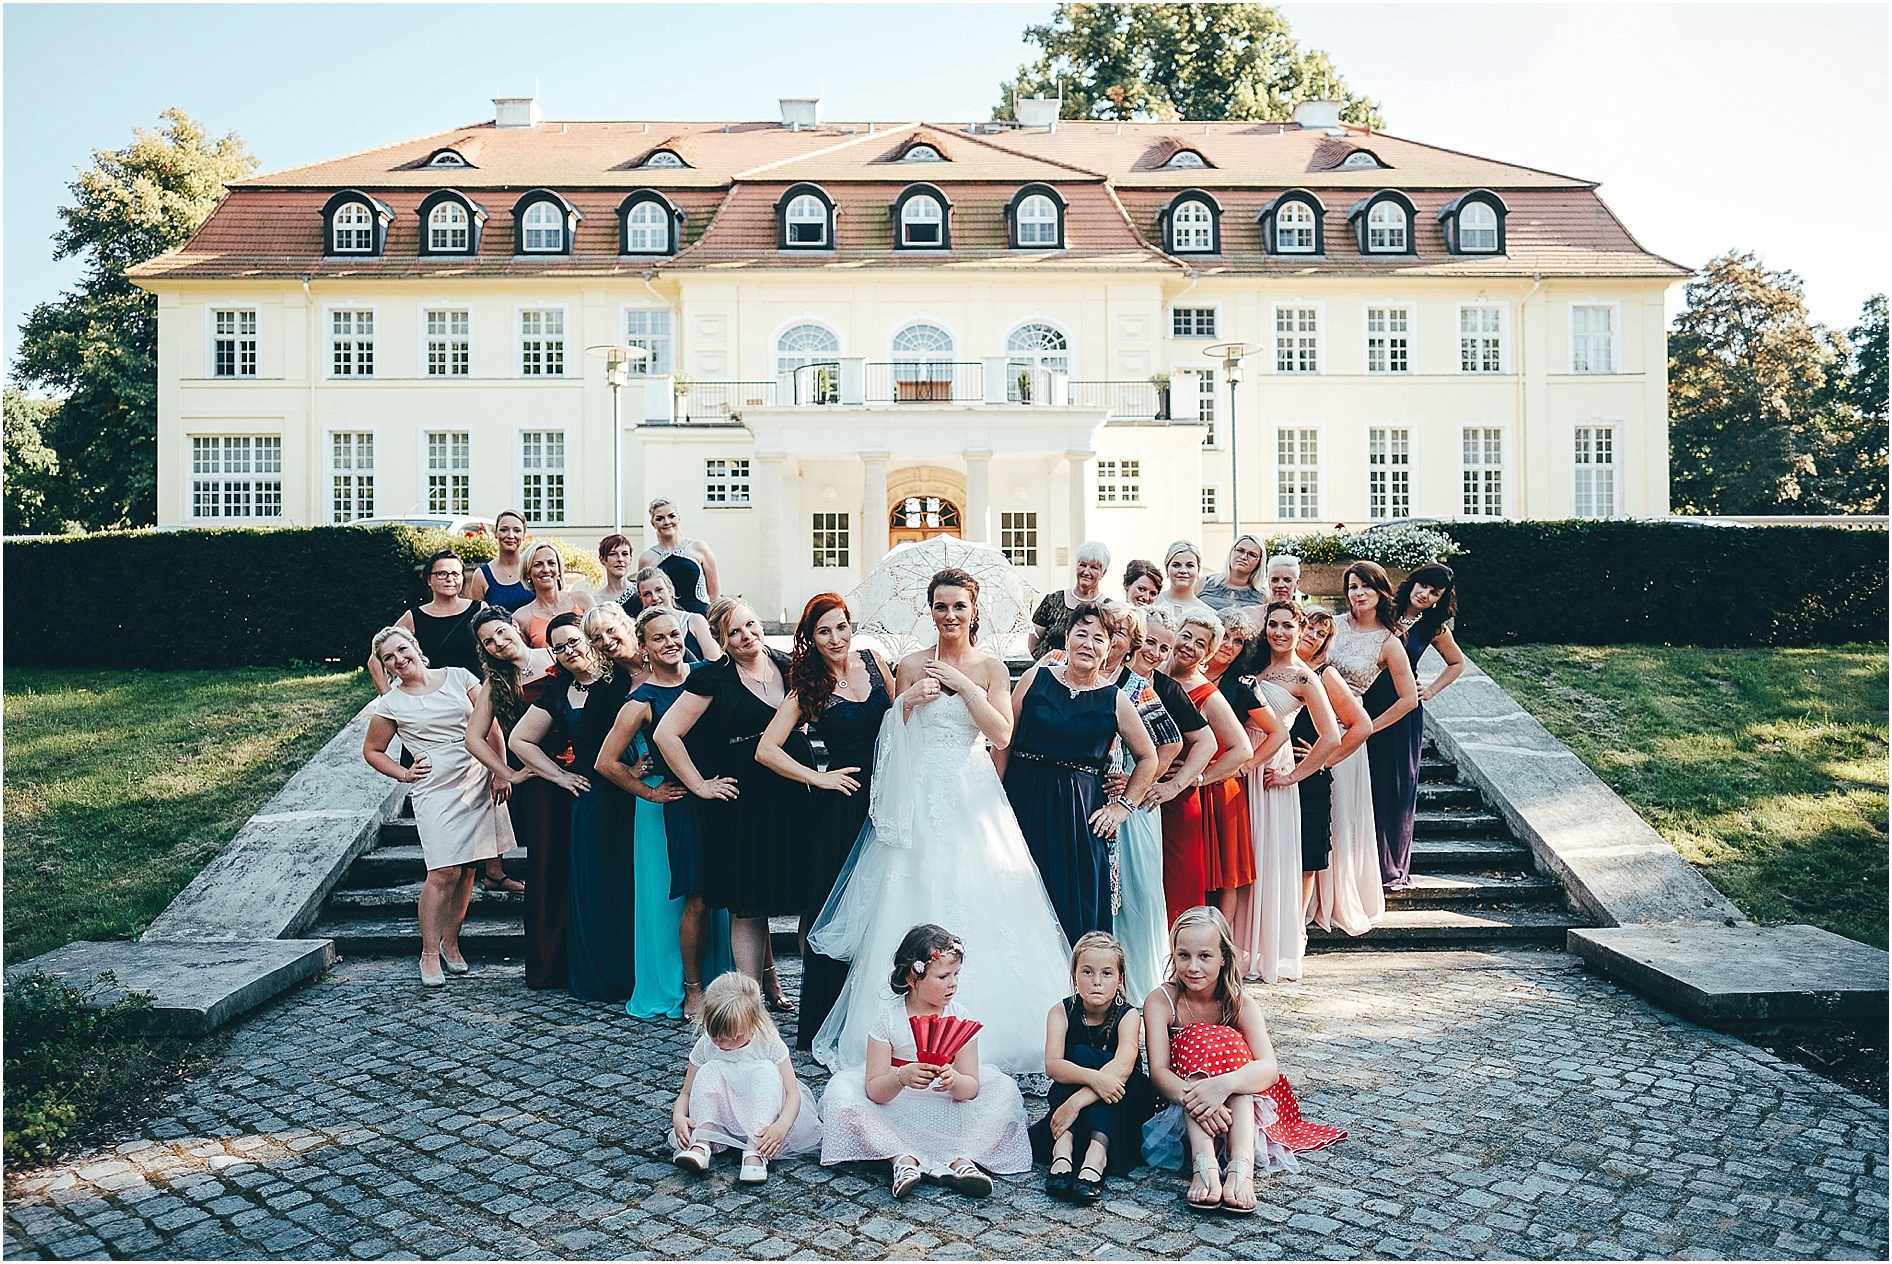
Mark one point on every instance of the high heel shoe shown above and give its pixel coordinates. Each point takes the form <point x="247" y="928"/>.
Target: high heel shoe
<point x="434" y="979"/>
<point x="778" y="999"/>
<point x="691" y="989"/>
<point x="452" y="966"/>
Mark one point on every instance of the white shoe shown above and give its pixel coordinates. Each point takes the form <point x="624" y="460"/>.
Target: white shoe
<point x="695" y="1159"/>
<point x="755" y="1169"/>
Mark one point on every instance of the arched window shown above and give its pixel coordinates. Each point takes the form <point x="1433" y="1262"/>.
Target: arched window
<point x="924" y="513"/>
<point x="1477" y="228"/>
<point x="447" y="226"/>
<point x="816" y="350"/>
<point x="647" y="229"/>
<point x="922" y="153"/>
<point x="807" y="221"/>
<point x="447" y="158"/>
<point x="922" y="222"/>
<point x="662" y="158"/>
<point x="1192" y="228"/>
<point x="354" y="229"/>
<point x="922" y="359"/>
<point x="1033" y="347"/>
<point x="1037" y="221"/>
<point x="1386" y="227"/>
<point x="1185" y="160"/>
<point x="1294" y="229"/>
<point x="544" y="229"/>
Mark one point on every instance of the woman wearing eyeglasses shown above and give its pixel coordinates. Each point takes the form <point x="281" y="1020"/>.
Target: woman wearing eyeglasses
<point x="443" y="624"/>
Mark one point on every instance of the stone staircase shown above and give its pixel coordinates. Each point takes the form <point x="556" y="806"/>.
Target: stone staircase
<point x="1473" y="885"/>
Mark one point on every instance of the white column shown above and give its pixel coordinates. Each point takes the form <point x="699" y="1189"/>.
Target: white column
<point x="978" y="524"/>
<point x="775" y="515"/>
<point x="874" y="509"/>
<point x="1081" y="496"/>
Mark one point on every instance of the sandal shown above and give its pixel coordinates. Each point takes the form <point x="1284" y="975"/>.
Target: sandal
<point x="1235" y="1168"/>
<point x="906" y="1174"/>
<point x="1206" y="1167"/>
<point x="502" y="883"/>
<point x="692" y="989"/>
<point x="1087" y="1189"/>
<point x="754" y="1170"/>
<point x="1058" y="1184"/>
<point x="695" y="1159"/>
<point x="778" y="999"/>
<point x="964" y="1175"/>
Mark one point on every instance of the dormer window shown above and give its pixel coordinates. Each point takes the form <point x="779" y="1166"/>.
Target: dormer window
<point x="1186" y="160"/>
<point x="1360" y="160"/>
<point x="922" y="153"/>
<point x="807" y="218"/>
<point x="355" y="224"/>
<point x="1192" y="224"/>
<point x="447" y="229"/>
<point x="662" y="158"/>
<point x="354" y="229"/>
<point x="448" y="158"/>
<point x="920" y="219"/>
<point x="1474" y="223"/>
<point x="1292" y="224"/>
<point x="1383" y="224"/>
<point x="1037" y="218"/>
<point x="651" y="225"/>
<point x="545" y="224"/>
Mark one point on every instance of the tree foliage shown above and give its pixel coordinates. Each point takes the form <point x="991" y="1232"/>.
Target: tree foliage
<point x="98" y="343"/>
<point x="1179" y="61"/>
<point x="33" y="490"/>
<point x="1768" y="411"/>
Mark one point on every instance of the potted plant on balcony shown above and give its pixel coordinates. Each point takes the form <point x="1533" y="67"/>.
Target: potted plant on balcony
<point x="1161" y="382"/>
<point x="1023" y="383"/>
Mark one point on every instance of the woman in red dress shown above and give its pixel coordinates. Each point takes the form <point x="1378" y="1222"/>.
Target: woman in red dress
<point x="1205" y="831"/>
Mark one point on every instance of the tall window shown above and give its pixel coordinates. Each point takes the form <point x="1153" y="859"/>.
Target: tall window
<point x="447" y="228"/>
<point x="1192" y="322"/>
<point x="1296" y="340"/>
<point x="449" y="472"/>
<point x="1034" y="347"/>
<point x="1388" y="474"/>
<point x="1387" y="350"/>
<point x="351" y="471"/>
<point x="542" y="475"/>
<point x="1477" y="228"/>
<point x="1297" y="473"/>
<point x="351" y="343"/>
<point x="647" y="229"/>
<point x="1018" y="538"/>
<point x="1037" y="221"/>
<point x="1204" y="403"/>
<point x="807" y="221"/>
<point x="830" y="540"/>
<point x="449" y="342"/>
<point x="1595" y="490"/>
<point x="1192" y="228"/>
<point x="1484" y="472"/>
<point x="1386" y="227"/>
<point x="542" y="343"/>
<point x="649" y="328"/>
<point x="1592" y="335"/>
<point x="1480" y="340"/>
<point x="816" y="350"/>
<point x="726" y="481"/>
<point x="1294" y="229"/>
<point x="1119" y="482"/>
<point x="922" y="223"/>
<point x="542" y="229"/>
<point x="354" y="229"/>
<point x="236" y="476"/>
<point x="235" y="343"/>
<point x="922" y="353"/>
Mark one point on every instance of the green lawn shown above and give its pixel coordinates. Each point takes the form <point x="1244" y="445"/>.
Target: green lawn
<point x="1766" y="768"/>
<point x="119" y="785"/>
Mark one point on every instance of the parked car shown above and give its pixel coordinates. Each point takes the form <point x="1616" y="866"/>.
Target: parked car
<point x="471" y="527"/>
<point x="1694" y="520"/>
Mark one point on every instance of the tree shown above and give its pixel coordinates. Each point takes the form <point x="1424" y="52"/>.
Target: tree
<point x="1178" y="61"/>
<point x="32" y="468"/>
<point x="1855" y="417"/>
<point x="98" y="343"/>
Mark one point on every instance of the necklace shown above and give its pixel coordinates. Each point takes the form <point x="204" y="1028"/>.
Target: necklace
<point x="1075" y="689"/>
<point x="767" y="686"/>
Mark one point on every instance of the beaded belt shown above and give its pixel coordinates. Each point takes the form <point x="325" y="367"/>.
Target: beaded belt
<point x="1075" y="765"/>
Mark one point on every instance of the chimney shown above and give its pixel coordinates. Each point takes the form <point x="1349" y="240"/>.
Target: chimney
<point x="1038" y="112"/>
<point x="800" y="112"/>
<point x="517" y="112"/>
<point x="1318" y="116"/>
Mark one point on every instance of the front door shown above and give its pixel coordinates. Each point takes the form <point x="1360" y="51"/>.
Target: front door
<point x="921" y="518"/>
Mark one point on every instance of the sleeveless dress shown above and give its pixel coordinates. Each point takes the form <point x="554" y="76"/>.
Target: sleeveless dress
<point x="1141" y="923"/>
<point x="1198" y="1051"/>
<point x="1220" y="596"/>
<point x="505" y="596"/>
<point x="686" y="576"/>
<point x="1270" y="930"/>
<point x="1317" y="801"/>
<point x="447" y="640"/>
<point x="1054" y="779"/>
<point x="1393" y="756"/>
<point x="542" y="816"/>
<point x="1119" y="1123"/>
<point x="1348" y="894"/>
<point x="1232" y="865"/>
<point x="454" y="812"/>
<point x="848" y="729"/>
<point x="1208" y="820"/>
<point x="737" y="1094"/>
<point x="942" y="846"/>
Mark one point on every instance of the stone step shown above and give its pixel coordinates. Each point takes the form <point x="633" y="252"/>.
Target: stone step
<point x="387" y="930"/>
<point x="1449" y="794"/>
<point x="1435" y="927"/>
<point x="383" y="901"/>
<point x="1458" y="823"/>
<point x="1476" y="889"/>
<point x="1452" y="853"/>
<point x="403" y="862"/>
<point x="400" y="832"/>
<point x="1434" y="768"/>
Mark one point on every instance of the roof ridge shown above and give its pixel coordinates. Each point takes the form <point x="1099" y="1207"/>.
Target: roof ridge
<point x="846" y="143"/>
<point x="1009" y="152"/>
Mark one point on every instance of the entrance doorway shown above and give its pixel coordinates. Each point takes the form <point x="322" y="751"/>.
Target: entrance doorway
<point x="921" y="518"/>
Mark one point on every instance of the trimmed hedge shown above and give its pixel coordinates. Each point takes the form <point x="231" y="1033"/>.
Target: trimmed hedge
<point x="1607" y="583"/>
<point x="168" y="600"/>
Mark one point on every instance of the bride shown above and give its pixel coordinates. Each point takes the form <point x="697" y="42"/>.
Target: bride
<point x="941" y="846"/>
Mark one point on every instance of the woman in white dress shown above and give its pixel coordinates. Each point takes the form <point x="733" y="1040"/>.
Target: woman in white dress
<point x="1270" y="928"/>
<point x="1182" y="565"/>
<point x="942" y="846"/>
<point x="459" y="806"/>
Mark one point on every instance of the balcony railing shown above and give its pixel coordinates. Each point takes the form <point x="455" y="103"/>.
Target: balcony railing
<point x="993" y="383"/>
<point x="1123" y="401"/>
<point x="719" y="401"/>
<point x="925" y="382"/>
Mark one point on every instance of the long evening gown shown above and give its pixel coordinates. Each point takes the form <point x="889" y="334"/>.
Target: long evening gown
<point x="1348" y="893"/>
<point x="1393" y="754"/>
<point x="659" y="985"/>
<point x="1054" y="779"/>
<point x="1141" y="925"/>
<point x="1211" y="819"/>
<point x="1270" y="933"/>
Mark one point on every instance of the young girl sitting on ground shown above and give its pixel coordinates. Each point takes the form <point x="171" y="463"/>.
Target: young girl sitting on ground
<point x="1210" y="1057"/>
<point x="741" y="1092"/>
<point x="944" y="1122"/>
<point x="1099" y="1095"/>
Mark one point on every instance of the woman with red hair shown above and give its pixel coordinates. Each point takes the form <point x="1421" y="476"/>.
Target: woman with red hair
<point x="841" y="694"/>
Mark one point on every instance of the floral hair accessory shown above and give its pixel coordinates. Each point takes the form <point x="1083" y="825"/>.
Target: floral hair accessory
<point x="956" y="948"/>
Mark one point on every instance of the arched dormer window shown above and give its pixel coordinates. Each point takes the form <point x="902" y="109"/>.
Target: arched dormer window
<point x="662" y="159"/>
<point x="355" y="224"/>
<point x="806" y="215"/>
<point x="544" y="224"/>
<point x="450" y="223"/>
<point x="923" y="152"/>
<point x="1192" y="224"/>
<point x="1361" y="160"/>
<point x="1185" y="160"/>
<point x="920" y="219"/>
<point x="649" y="224"/>
<point x="1036" y="218"/>
<point x="1474" y="223"/>
<point x="1292" y="224"/>
<point x="1383" y="224"/>
<point x="448" y="158"/>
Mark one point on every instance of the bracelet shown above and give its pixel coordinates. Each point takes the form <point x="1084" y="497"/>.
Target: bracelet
<point x="1122" y="801"/>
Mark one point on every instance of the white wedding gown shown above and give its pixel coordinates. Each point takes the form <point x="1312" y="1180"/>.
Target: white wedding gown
<point x="941" y="845"/>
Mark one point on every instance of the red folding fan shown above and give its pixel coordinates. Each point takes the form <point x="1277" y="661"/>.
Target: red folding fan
<point x="938" y="1038"/>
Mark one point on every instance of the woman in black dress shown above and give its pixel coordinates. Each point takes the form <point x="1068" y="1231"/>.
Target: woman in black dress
<point x="443" y="624"/>
<point x="753" y="822"/>
<point x="841" y="694"/>
<point x="1064" y="718"/>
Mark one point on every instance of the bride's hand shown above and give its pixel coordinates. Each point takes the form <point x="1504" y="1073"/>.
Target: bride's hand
<point x="949" y="676"/>
<point x="925" y="689"/>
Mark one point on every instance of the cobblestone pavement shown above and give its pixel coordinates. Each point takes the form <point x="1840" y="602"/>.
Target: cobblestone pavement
<point x="1505" y="1105"/>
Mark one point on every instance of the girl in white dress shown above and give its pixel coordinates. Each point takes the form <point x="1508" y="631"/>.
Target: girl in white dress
<point x="740" y="1091"/>
<point x="946" y="1122"/>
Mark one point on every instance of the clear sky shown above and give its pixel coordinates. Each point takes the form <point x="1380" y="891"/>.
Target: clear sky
<point x="1762" y="127"/>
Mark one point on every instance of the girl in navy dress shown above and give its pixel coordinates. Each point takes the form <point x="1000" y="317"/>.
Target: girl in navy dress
<point x="1099" y="1095"/>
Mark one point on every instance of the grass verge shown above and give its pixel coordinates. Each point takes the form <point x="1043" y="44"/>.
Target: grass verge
<point x="1765" y="768"/>
<point x="120" y="785"/>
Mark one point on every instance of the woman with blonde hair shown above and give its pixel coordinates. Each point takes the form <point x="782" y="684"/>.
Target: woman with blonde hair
<point x="1182" y="564"/>
<point x="545" y="572"/>
<point x="1236" y="586"/>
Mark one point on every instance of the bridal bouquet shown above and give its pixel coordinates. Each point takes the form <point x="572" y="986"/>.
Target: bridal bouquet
<point x="939" y="1038"/>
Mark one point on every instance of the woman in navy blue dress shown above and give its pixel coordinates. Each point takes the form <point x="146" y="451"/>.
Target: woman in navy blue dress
<point x="1064" y="718"/>
<point x="1398" y="731"/>
<point x="841" y="693"/>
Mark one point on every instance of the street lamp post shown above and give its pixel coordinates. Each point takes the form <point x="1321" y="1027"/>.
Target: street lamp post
<point x="1231" y="355"/>
<point x="617" y="359"/>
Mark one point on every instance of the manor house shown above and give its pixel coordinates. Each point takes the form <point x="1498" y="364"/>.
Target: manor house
<point x="857" y="333"/>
